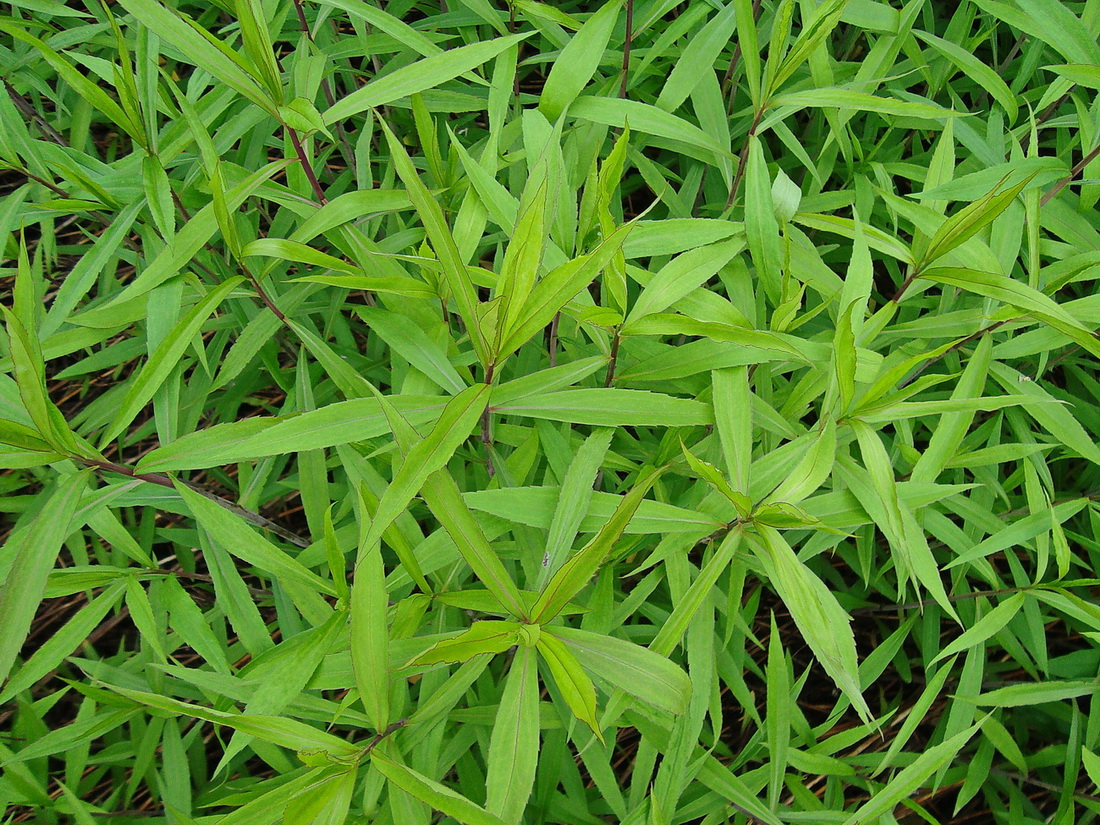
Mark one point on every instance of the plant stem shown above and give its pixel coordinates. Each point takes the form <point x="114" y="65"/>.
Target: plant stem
<point x="626" y="45"/>
<point x="553" y="342"/>
<point x="1073" y="173"/>
<point x="162" y="480"/>
<point x="612" y="360"/>
<point x="486" y="424"/>
<point x="300" y="151"/>
<point x="744" y="158"/>
<point x="326" y="89"/>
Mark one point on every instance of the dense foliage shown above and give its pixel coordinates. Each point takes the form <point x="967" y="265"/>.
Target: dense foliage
<point x="641" y="412"/>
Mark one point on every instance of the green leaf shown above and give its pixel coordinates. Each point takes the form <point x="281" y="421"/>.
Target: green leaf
<point x="302" y="115"/>
<point x="761" y="226"/>
<point x="85" y="87"/>
<point x="649" y="120"/>
<point x="697" y="58"/>
<point x="911" y="778"/>
<point x="668" y="324"/>
<point x="34" y="548"/>
<point x="778" y="722"/>
<point x="458" y="281"/>
<point x="812" y="469"/>
<point x="572" y="681"/>
<point x="905" y="535"/>
<point x="709" y="473"/>
<point x="431" y="793"/>
<point x="413" y="344"/>
<point x="987" y="626"/>
<point x="968" y="222"/>
<point x="247" y="545"/>
<point x="578" y="61"/>
<point x="1092" y="765"/>
<point x="50" y="428"/>
<point x="419" y="76"/>
<point x="817" y="614"/>
<point x="848" y="99"/>
<point x="953" y="427"/>
<point x="1018" y="294"/>
<point x="370" y="634"/>
<point x="610" y="408"/>
<point x="514" y="743"/>
<point x="481" y="637"/>
<point x="165" y="358"/>
<point x="573" y="502"/>
<point x="455" y="423"/>
<point x="196" y="44"/>
<point x="985" y="77"/>
<point x="445" y="501"/>
<point x="685" y="608"/>
<point x="557" y="288"/>
<point x="1037" y="693"/>
<point x="732" y="398"/>
<point x="64" y="641"/>
<point x="341" y="423"/>
<point x="816" y="30"/>
<point x="287" y="733"/>
<point x="575" y="574"/>
<point x="683" y="275"/>
<point x="639" y="672"/>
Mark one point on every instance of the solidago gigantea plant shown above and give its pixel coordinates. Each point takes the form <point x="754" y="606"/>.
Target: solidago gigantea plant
<point x="626" y="412"/>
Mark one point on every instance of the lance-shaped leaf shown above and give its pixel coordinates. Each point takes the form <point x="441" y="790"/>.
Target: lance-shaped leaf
<point x="444" y="499"/>
<point x="910" y="778"/>
<point x="732" y="400"/>
<point x="825" y="19"/>
<point x="482" y="637"/>
<point x="899" y="525"/>
<point x="419" y="76"/>
<point x="969" y="221"/>
<point x="811" y="470"/>
<point x="988" y="625"/>
<point x="86" y="87"/>
<point x="816" y="612"/>
<point x="30" y="376"/>
<point x="632" y="668"/>
<point x="611" y="407"/>
<point x="576" y="573"/>
<point x="35" y="549"/>
<point x="523" y="257"/>
<point x="370" y="635"/>
<point x="200" y="46"/>
<point x="456" y="422"/>
<point x="415" y="345"/>
<point x="676" y="625"/>
<point x="64" y="641"/>
<point x="761" y="225"/>
<point x="166" y="357"/>
<point x="432" y="794"/>
<point x="457" y="278"/>
<point x="578" y="61"/>
<point x="1018" y="294"/>
<point x="573" y="501"/>
<point x="514" y="743"/>
<point x="283" y="676"/>
<point x="287" y="733"/>
<point x="550" y="295"/>
<point x="575" y="685"/>
<point x="709" y="473"/>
